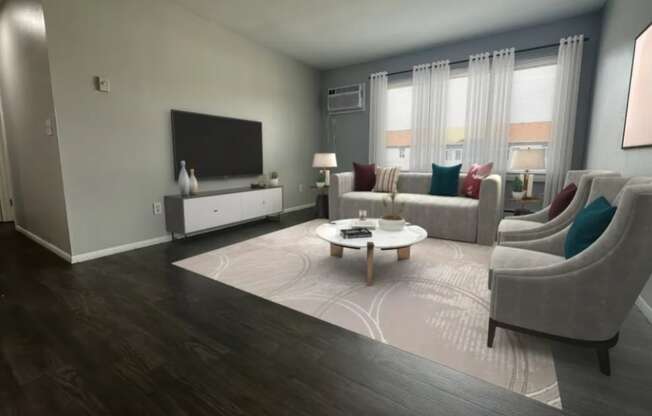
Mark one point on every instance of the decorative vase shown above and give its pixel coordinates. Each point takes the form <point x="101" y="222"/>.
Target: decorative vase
<point x="273" y="182"/>
<point x="391" y="225"/>
<point x="184" y="180"/>
<point x="518" y="195"/>
<point x="194" y="185"/>
<point x="320" y="184"/>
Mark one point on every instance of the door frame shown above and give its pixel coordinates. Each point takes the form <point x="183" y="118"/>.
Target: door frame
<point x="7" y="201"/>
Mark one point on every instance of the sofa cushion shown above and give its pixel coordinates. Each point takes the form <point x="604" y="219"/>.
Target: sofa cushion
<point x="445" y="180"/>
<point x="386" y="179"/>
<point x="517" y="258"/>
<point x="588" y="226"/>
<point x="364" y="177"/>
<point x="454" y="218"/>
<point x="473" y="179"/>
<point x="562" y="201"/>
<point x="509" y="225"/>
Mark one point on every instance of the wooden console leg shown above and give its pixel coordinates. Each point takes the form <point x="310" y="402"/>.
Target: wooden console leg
<point x="403" y="253"/>
<point x="492" y="333"/>
<point x="336" y="251"/>
<point x="370" y="263"/>
<point x="603" y="360"/>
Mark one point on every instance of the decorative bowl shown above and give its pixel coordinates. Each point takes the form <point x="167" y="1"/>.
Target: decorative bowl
<point x="391" y="225"/>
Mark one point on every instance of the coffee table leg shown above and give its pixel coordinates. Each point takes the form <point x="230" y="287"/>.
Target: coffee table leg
<point x="370" y="263"/>
<point x="336" y="251"/>
<point x="403" y="253"/>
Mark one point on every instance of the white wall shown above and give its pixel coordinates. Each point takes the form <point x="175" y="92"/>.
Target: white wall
<point x="116" y="147"/>
<point x="623" y="21"/>
<point x="27" y="103"/>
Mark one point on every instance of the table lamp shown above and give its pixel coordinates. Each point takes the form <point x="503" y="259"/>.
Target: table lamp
<point x="324" y="162"/>
<point x="527" y="159"/>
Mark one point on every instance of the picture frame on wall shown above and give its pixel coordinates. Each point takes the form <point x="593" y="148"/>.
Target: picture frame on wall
<point x="638" y="122"/>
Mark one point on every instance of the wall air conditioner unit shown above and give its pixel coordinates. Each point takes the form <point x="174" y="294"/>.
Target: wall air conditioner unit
<point x="346" y="99"/>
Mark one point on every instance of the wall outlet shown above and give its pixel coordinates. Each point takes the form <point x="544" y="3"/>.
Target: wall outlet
<point x="157" y="208"/>
<point x="300" y="187"/>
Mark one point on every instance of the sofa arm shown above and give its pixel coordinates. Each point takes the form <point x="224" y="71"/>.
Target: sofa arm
<point x="490" y="207"/>
<point x="341" y="183"/>
<point x="553" y="244"/>
<point x="540" y="216"/>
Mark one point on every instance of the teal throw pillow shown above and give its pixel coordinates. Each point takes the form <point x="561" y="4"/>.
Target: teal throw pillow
<point x="445" y="180"/>
<point x="588" y="226"/>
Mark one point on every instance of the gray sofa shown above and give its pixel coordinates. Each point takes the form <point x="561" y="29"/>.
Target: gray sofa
<point x="537" y="225"/>
<point x="584" y="299"/>
<point x="454" y="218"/>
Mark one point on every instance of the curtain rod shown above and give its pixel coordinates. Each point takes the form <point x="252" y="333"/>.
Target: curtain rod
<point x="461" y="61"/>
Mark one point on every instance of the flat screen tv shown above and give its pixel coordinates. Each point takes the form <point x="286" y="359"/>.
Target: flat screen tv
<point x="217" y="146"/>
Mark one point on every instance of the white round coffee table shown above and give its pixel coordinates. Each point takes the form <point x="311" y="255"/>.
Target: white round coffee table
<point x="380" y="239"/>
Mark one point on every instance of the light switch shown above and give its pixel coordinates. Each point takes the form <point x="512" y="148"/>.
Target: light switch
<point x="49" y="131"/>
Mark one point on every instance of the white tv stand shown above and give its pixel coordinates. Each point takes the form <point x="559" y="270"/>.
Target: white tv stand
<point x="218" y="209"/>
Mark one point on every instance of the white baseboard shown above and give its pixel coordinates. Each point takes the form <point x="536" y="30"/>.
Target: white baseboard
<point x="78" y="258"/>
<point x="645" y="308"/>
<point x="41" y="241"/>
<point x="298" y="207"/>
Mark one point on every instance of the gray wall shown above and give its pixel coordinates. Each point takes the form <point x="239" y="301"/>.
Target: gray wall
<point x="116" y="147"/>
<point x="623" y="20"/>
<point x="352" y="130"/>
<point x="27" y="103"/>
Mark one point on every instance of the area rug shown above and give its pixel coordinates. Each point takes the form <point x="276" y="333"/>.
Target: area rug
<point x="436" y="304"/>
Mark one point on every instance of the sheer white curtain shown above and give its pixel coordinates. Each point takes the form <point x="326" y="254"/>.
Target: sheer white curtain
<point x="377" y="117"/>
<point x="477" y="108"/>
<point x="567" y="84"/>
<point x="496" y="145"/>
<point x="488" y="109"/>
<point x="429" y="100"/>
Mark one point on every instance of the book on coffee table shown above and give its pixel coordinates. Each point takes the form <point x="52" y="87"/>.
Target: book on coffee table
<point x="355" y="233"/>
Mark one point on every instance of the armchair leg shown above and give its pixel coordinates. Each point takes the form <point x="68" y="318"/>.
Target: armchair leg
<point x="603" y="360"/>
<point x="492" y="333"/>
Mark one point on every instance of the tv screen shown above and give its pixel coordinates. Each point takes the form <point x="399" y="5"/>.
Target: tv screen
<point x="217" y="146"/>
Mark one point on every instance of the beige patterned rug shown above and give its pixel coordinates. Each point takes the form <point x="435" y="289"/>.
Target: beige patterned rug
<point x="434" y="305"/>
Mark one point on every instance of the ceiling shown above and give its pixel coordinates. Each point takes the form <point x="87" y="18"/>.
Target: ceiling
<point x="332" y="33"/>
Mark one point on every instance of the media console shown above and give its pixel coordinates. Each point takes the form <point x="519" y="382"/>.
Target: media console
<point x="217" y="209"/>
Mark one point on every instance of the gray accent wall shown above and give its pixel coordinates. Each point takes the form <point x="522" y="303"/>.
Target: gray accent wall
<point x="348" y="134"/>
<point x="27" y="102"/>
<point x="623" y="21"/>
<point x="117" y="148"/>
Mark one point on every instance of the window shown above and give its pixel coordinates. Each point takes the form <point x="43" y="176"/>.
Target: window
<point x="455" y="118"/>
<point x="531" y="113"/>
<point x="399" y="125"/>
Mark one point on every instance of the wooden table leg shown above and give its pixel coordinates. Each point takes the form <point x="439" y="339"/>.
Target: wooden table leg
<point x="370" y="263"/>
<point x="336" y="251"/>
<point x="403" y="253"/>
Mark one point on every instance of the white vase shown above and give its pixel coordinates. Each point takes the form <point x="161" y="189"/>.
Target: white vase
<point x="273" y="182"/>
<point x="518" y="195"/>
<point x="194" y="185"/>
<point x="184" y="180"/>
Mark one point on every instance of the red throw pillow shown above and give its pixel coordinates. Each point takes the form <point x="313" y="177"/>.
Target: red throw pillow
<point x="562" y="201"/>
<point x="473" y="179"/>
<point x="364" y="177"/>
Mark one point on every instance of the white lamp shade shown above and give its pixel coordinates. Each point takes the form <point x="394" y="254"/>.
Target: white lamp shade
<point x="324" y="160"/>
<point x="528" y="159"/>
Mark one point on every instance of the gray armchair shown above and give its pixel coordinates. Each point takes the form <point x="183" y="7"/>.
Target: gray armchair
<point x="537" y="225"/>
<point x="584" y="299"/>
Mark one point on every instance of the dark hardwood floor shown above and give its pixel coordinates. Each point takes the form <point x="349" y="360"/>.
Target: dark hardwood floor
<point x="132" y="334"/>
